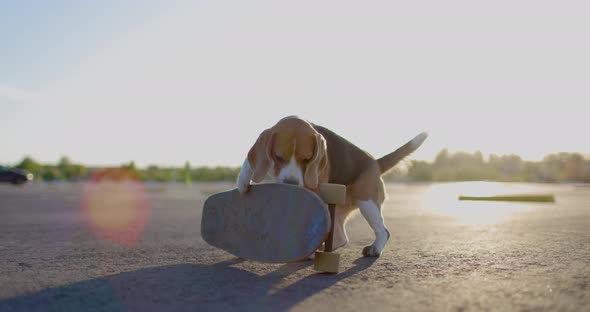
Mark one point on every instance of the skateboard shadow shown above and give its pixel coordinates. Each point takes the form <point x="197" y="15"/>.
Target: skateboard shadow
<point x="185" y="287"/>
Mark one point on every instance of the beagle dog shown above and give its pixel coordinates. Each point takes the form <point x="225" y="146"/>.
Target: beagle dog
<point x="295" y="151"/>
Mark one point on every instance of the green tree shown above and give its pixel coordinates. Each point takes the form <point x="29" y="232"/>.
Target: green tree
<point x="420" y="171"/>
<point x="155" y="173"/>
<point x="30" y="165"/>
<point x="69" y="170"/>
<point x="574" y="168"/>
<point x="50" y="173"/>
<point x="187" y="173"/>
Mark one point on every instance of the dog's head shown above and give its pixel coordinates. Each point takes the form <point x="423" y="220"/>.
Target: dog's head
<point x="292" y="151"/>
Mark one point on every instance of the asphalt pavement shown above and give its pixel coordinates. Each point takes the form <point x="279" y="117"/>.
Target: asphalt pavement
<point x="71" y="247"/>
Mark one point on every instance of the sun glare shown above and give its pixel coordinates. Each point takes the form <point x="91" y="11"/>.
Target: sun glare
<point x="442" y="199"/>
<point x="116" y="211"/>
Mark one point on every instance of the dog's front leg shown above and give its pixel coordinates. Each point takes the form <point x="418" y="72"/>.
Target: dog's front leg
<point x="245" y="177"/>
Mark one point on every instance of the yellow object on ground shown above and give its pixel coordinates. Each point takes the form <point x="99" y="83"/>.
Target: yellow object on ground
<point x="540" y="198"/>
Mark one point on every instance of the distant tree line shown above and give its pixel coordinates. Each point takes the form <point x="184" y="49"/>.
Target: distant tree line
<point x="459" y="166"/>
<point x="462" y="166"/>
<point x="70" y="171"/>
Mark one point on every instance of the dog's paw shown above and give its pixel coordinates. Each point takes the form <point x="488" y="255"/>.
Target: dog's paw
<point x="371" y="251"/>
<point x="244" y="177"/>
<point x="243" y="187"/>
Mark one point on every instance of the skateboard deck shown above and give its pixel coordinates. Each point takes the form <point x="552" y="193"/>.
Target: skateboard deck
<point x="271" y="223"/>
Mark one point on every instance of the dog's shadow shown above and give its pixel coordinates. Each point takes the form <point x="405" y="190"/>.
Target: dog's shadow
<point x="185" y="287"/>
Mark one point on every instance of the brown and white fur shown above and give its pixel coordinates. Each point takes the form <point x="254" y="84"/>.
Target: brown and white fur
<point x="295" y="151"/>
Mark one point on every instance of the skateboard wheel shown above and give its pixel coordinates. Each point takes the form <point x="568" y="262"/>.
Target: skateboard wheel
<point x="327" y="262"/>
<point x="333" y="193"/>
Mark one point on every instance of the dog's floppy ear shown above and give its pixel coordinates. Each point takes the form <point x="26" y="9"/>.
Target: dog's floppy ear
<point x="259" y="155"/>
<point x="317" y="164"/>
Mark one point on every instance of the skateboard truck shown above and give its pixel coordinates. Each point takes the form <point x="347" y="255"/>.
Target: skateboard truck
<point x="327" y="261"/>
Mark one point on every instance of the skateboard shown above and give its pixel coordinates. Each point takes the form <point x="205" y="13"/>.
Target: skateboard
<point x="273" y="223"/>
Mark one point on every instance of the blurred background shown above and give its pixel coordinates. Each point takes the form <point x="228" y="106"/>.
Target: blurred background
<point x="178" y="90"/>
<point x="174" y="93"/>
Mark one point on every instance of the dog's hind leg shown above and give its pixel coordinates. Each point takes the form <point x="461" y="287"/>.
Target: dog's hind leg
<point x="372" y="214"/>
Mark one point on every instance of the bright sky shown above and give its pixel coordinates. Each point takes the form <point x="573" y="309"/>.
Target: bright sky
<point x="162" y="82"/>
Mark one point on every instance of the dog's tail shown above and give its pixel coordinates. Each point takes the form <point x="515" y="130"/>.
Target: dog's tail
<point x="390" y="160"/>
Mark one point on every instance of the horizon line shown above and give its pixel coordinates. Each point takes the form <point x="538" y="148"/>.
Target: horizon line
<point x="486" y="157"/>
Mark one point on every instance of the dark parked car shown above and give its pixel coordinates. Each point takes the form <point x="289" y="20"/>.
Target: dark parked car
<point x="14" y="175"/>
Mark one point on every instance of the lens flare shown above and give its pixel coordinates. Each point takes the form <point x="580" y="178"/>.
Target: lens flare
<point x="115" y="206"/>
<point x="442" y="199"/>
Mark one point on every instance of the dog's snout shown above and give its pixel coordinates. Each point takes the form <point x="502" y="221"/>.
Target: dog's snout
<point x="291" y="180"/>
